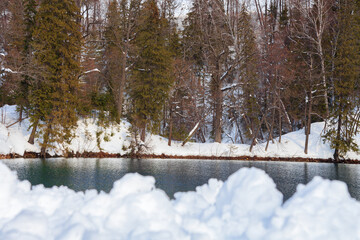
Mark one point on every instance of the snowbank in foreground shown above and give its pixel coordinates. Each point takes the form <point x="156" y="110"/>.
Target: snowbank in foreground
<point x="246" y="206"/>
<point x="117" y="138"/>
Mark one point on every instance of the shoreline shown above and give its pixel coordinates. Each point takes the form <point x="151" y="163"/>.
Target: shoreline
<point x="29" y="155"/>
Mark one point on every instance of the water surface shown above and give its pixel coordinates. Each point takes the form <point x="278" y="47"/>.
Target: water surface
<point x="174" y="175"/>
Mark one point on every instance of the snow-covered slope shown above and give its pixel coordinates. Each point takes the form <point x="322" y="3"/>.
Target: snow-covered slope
<point x="246" y="206"/>
<point x="112" y="139"/>
<point x="117" y="138"/>
<point x="292" y="145"/>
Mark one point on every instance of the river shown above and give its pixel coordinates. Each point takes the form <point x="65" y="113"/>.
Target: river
<point x="174" y="175"/>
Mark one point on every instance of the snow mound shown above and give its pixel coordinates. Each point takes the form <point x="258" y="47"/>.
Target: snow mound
<point x="246" y="206"/>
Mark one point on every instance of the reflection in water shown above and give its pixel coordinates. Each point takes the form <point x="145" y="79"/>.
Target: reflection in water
<point x="174" y="175"/>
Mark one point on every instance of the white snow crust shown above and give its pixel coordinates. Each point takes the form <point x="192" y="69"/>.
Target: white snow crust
<point x="246" y="206"/>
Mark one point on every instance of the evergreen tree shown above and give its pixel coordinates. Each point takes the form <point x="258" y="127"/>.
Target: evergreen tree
<point x="343" y="124"/>
<point x="248" y="70"/>
<point x="57" y="46"/>
<point x="19" y="36"/>
<point x="27" y="53"/>
<point x="151" y="79"/>
<point x="118" y="34"/>
<point x="112" y="54"/>
<point x="192" y="36"/>
<point x="207" y="36"/>
<point x="15" y="43"/>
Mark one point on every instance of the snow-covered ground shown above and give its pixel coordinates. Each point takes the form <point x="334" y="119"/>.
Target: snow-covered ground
<point x="112" y="139"/>
<point x="292" y="145"/>
<point x="246" y="206"/>
<point x="117" y="138"/>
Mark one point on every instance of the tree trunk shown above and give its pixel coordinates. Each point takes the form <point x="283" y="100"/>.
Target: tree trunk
<point x="33" y="132"/>
<point x="280" y="127"/>
<point x="170" y="127"/>
<point x="43" y="152"/>
<point x="308" y="124"/>
<point x="193" y="131"/>
<point x="20" y="114"/>
<point x="324" y="82"/>
<point x="338" y="134"/>
<point x="143" y="132"/>
<point x="45" y="142"/>
<point x="271" y="131"/>
<point x="218" y="112"/>
<point x="239" y="131"/>
<point x="255" y="134"/>
<point x="336" y="153"/>
<point x="280" y="120"/>
<point x="308" y="111"/>
<point x="122" y="84"/>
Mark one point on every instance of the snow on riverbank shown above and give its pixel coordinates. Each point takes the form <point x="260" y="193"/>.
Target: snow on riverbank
<point x="292" y="145"/>
<point x="112" y="139"/>
<point x="246" y="206"/>
<point x="116" y="139"/>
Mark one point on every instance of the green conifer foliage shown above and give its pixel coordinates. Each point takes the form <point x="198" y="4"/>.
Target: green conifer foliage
<point x="113" y="35"/>
<point x="27" y="53"/>
<point x="29" y="20"/>
<point x="14" y="36"/>
<point x="119" y="33"/>
<point x="57" y="45"/>
<point x="343" y="124"/>
<point x="192" y="36"/>
<point x="151" y="79"/>
<point x="248" y="70"/>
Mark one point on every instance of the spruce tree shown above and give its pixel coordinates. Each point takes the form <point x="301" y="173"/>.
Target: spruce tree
<point x="151" y="79"/>
<point x="248" y="70"/>
<point x="57" y="46"/>
<point x="118" y="35"/>
<point x="14" y="37"/>
<point x="343" y="125"/>
<point x="113" y="36"/>
<point x="27" y="53"/>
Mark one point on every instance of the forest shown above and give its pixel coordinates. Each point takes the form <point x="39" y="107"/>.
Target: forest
<point x="225" y="71"/>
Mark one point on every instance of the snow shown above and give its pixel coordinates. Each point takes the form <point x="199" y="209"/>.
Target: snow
<point x="292" y="145"/>
<point x="246" y="206"/>
<point x="116" y="139"/>
<point x="113" y="139"/>
<point x="92" y="70"/>
<point x="8" y="70"/>
<point x="194" y="129"/>
<point x="183" y="7"/>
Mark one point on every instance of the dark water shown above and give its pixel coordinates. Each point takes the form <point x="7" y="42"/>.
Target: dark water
<point x="174" y="175"/>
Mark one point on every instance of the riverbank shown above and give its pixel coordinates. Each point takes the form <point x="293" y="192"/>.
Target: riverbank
<point x="31" y="155"/>
<point x="94" y="141"/>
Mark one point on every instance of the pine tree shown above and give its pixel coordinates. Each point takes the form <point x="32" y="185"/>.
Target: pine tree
<point x="343" y="125"/>
<point x="151" y="79"/>
<point x="57" y="46"/>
